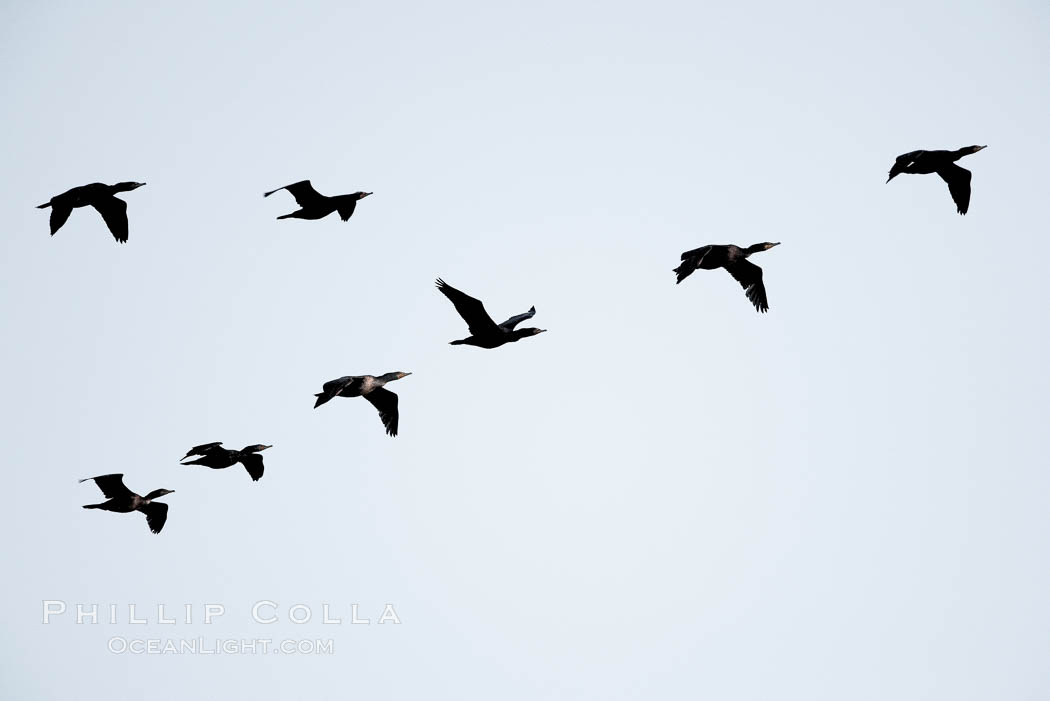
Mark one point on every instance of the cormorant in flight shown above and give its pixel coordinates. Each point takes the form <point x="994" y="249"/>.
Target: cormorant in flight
<point x="371" y="388"/>
<point x="216" y="457"/>
<point x="314" y="205"/>
<point x="734" y="260"/>
<point x="114" y="211"/>
<point x="484" y="332"/>
<point x="123" y="501"/>
<point x="943" y="164"/>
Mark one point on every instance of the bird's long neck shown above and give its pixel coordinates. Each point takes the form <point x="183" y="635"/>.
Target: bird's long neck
<point x="122" y="187"/>
<point x="964" y="151"/>
<point x="758" y="247"/>
<point x="154" y="494"/>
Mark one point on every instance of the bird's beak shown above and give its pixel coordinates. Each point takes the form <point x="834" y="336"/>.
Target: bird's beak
<point x="265" y="447"/>
<point x="775" y="244"/>
<point x="982" y="147"/>
<point x="405" y="374"/>
<point x="366" y="194"/>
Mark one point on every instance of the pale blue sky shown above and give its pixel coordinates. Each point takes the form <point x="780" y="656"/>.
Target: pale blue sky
<point x="667" y="496"/>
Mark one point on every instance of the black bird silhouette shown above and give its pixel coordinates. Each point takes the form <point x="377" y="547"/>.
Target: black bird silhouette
<point x="371" y="388"/>
<point x="943" y="164"/>
<point x="734" y="260"/>
<point x="484" y="332"/>
<point x="314" y="205"/>
<point x="216" y="457"/>
<point x="123" y="501"/>
<point x="114" y="211"/>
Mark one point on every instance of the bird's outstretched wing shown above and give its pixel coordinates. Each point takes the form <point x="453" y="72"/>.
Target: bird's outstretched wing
<point x="472" y="310"/>
<point x="59" y="214"/>
<point x="903" y="162"/>
<point x="114" y="212"/>
<point x="958" y="179"/>
<point x="156" y="514"/>
<point x="303" y="192"/>
<point x="386" y="402"/>
<point x="696" y="253"/>
<point x="202" y="449"/>
<point x="690" y="261"/>
<point x="510" y="323"/>
<point x="112" y="486"/>
<point x="346" y="209"/>
<point x="335" y="386"/>
<point x="749" y="276"/>
<point x="253" y="463"/>
<point x="332" y="388"/>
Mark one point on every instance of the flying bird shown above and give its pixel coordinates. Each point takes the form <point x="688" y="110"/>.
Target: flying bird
<point x="484" y="332"/>
<point x="943" y="164"/>
<point x="216" y="457"/>
<point x="734" y="260"/>
<point x="114" y="210"/>
<point x="371" y="388"/>
<point x="123" y="501"/>
<point x="314" y="205"/>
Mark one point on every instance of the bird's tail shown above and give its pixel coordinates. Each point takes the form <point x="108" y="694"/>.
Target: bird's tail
<point x="685" y="270"/>
<point x="460" y="342"/>
<point x="92" y="506"/>
<point x="322" y="397"/>
<point x="43" y="206"/>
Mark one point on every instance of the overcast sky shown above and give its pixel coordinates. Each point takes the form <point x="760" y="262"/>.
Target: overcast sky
<point x="667" y="496"/>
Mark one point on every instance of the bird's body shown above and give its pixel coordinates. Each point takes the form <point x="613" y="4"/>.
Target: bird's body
<point x="484" y="332"/>
<point x="371" y="388"/>
<point x="114" y="211"/>
<point x="216" y="457"/>
<point x="943" y="164"/>
<point x="122" y="500"/>
<point x="314" y="205"/>
<point x="734" y="260"/>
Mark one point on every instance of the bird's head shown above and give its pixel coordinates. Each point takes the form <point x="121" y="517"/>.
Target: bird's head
<point x="530" y="331"/>
<point x="361" y="195"/>
<point x="157" y="493"/>
<point x="257" y="448"/>
<point x="759" y="247"/>
<point x="974" y="149"/>
<point x="128" y="186"/>
<point x="391" y="376"/>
